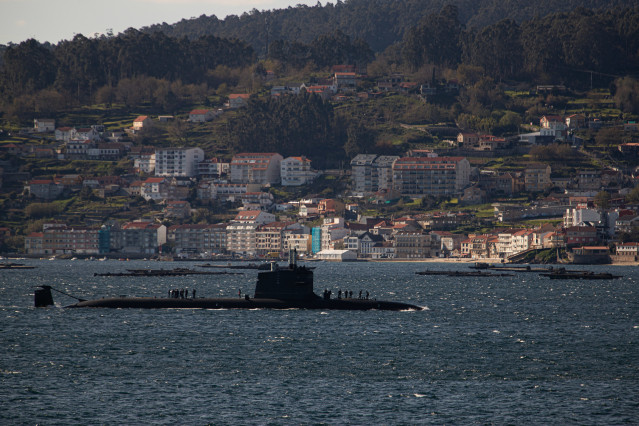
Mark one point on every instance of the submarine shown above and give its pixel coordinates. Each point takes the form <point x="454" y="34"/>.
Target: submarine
<point x="288" y="287"/>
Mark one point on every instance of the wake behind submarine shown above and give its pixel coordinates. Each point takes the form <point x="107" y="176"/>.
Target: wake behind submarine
<point x="280" y="288"/>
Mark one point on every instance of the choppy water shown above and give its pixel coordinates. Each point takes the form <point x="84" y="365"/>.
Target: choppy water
<point x="511" y="350"/>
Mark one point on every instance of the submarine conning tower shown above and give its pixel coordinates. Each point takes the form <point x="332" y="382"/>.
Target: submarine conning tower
<point x="292" y="283"/>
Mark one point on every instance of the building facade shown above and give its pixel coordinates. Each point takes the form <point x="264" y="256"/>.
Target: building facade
<point x="178" y="161"/>
<point x="435" y="176"/>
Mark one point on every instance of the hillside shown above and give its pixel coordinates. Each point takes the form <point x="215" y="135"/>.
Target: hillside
<point x="378" y="22"/>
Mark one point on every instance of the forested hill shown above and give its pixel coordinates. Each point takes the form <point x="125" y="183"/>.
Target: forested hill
<point x="378" y="22"/>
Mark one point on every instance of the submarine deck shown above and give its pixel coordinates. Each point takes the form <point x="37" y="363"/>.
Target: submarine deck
<point x="226" y="303"/>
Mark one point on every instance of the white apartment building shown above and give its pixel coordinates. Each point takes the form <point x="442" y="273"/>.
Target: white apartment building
<point x="262" y="168"/>
<point x="332" y="231"/>
<point x="372" y="173"/>
<point x="296" y="171"/>
<point x="178" y="161"/>
<point x="436" y="176"/>
<point x="241" y="238"/>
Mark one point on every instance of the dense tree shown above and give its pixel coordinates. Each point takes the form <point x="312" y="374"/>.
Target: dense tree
<point x="28" y="67"/>
<point x="626" y="94"/>
<point x="380" y="23"/>
<point x="435" y="40"/>
<point x="293" y="125"/>
<point x="360" y="140"/>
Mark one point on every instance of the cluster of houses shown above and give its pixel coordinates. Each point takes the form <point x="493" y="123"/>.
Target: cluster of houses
<point x="171" y="176"/>
<point x="260" y="234"/>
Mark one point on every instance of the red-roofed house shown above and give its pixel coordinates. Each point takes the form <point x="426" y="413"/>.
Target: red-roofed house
<point x="141" y="122"/>
<point x="152" y="188"/>
<point x="200" y="115"/>
<point x="345" y="79"/>
<point x="238" y="100"/>
<point x="64" y="133"/>
<point x="628" y="252"/>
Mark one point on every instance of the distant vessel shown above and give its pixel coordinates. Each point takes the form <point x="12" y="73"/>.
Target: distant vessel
<point x="175" y="272"/>
<point x="279" y="288"/>
<point x="580" y="275"/>
<point x="10" y="265"/>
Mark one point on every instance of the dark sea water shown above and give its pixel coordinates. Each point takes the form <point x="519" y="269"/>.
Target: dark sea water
<point x="506" y="350"/>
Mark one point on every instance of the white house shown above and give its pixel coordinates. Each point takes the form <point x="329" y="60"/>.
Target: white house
<point x="64" y="133"/>
<point x="41" y="125"/>
<point x="85" y="133"/>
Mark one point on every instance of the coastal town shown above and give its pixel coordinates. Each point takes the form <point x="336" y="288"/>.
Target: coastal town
<point x="378" y="207"/>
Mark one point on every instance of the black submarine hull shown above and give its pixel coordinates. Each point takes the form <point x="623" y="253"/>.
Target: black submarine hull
<point x="259" y="303"/>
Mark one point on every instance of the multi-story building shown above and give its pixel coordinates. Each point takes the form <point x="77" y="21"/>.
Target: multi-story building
<point x="580" y="235"/>
<point x="537" y="177"/>
<point x="371" y="173"/>
<point x="480" y="246"/>
<point x="63" y="239"/>
<point x="367" y="243"/>
<point x="241" y="233"/>
<point x="435" y="176"/>
<point x="412" y="245"/>
<point x="497" y="183"/>
<point x="299" y="240"/>
<point x="212" y="167"/>
<point x="589" y="180"/>
<point x="296" y="171"/>
<point x="178" y="161"/>
<point x="241" y="238"/>
<point x="262" y="168"/>
<point x="142" y="237"/>
<point x="522" y="240"/>
<point x="145" y="163"/>
<point x="198" y="238"/>
<point x="332" y="231"/>
<point x="270" y="237"/>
